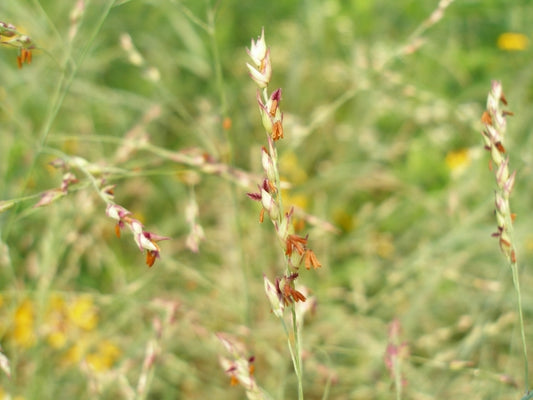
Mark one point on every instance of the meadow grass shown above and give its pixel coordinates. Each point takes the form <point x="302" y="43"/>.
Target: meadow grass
<point x="150" y="107"/>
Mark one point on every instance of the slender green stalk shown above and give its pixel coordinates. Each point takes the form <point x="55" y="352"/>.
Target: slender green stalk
<point x="297" y="359"/>
<point x="516" y="282"/>
<point x="397" y="379"/>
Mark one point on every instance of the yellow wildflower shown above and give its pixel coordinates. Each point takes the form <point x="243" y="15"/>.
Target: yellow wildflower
<point x="57" y="339"/>
<point x="512" y="41"/>
<point x="290" y="164"/>
<point x="104" y="357"/>
<point x="83" y="314"/>
<point x="344" y="220"/>
<point x="457" y="161"/>
<point x="23" y="325"/>
<point x="55" y="325"/>
<point x="76" y="352"/>
<point x="298" y="200"/>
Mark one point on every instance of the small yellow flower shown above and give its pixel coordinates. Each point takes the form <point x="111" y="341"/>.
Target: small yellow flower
<point x="291" y="165"/>
<point x="104" y="357"/>
<point x="56" y="307"/>
<point x="55" y="322"/>
<point x="57" y="339"/>
<point x="298" y="200"/>
<point x="76" y="352"/>
<point x="23" y="325"/>
<point x="83" y="313"/>
<point x="344" y="220"/>
<point x="458" y="160"/>
<point x="512" y="41"/>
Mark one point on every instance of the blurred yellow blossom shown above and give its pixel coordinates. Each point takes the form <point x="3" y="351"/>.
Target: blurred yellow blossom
<point x="69" y="326"/>
<point x="76" y="352"/>
<point x="57" y="339"/>
<point x="23" y="325"/>
<point x="457" y="161"/>
<point x="104" y="357"/>
<point x="344" y="220"/>
<point x="83" y="313"/>
<point x="512" y="41"/>
<point x="55" y="322"/>
<point x="297" y="200"/>
<point x="295" y="175"/>
<point x="56" y="302"/>
<point x="290" y="164"/>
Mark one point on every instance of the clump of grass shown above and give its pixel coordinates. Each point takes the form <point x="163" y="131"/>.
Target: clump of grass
<point x="163" y="121"/>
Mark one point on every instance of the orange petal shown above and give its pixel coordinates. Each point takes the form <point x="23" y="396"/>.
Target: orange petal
<point x="150" y="257"/>
<point x="486" y="118"/>
<point x="500" y="147"/>
<point x="277" y="131"/>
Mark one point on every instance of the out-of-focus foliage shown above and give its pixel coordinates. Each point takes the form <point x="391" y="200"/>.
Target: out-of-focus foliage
<point x="380" y="142"/>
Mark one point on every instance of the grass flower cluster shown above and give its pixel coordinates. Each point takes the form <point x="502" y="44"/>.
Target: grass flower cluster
<point x="495" y="122"/>
<point x="9" y="36"/>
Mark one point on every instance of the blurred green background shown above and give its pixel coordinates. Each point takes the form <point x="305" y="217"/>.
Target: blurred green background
<point x="381" y="142"/>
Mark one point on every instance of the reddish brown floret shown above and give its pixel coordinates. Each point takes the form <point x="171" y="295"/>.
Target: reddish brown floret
<point x="150" y="257"/>
<point x="486" y="118"/>
<point x="25" y="56"/>
<point x="500" y="147"/>
<point x="117" y="230"/>
<point x="277" y="131"/>
<point x="503" y="99"/>
<point x="311" y="260"/>
<point x="295" y="242"/>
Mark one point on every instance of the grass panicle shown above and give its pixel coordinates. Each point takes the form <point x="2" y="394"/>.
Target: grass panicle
<point x="495" y="121"/>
